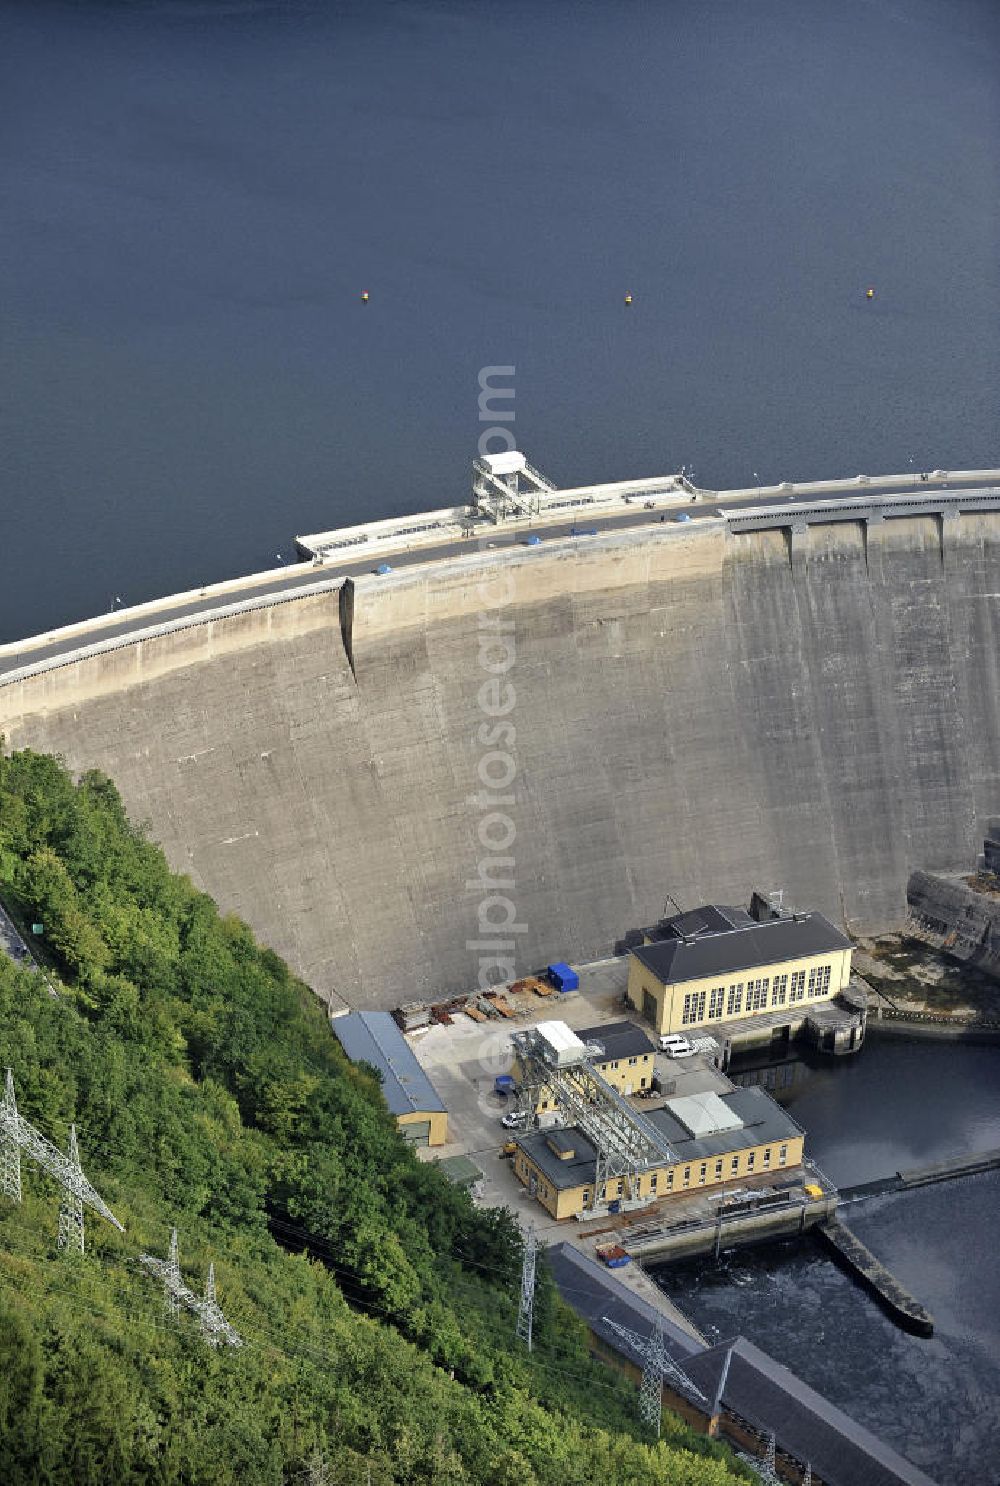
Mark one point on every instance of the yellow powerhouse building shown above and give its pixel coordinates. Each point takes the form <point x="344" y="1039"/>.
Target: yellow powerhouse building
<point x="717" y="964"/>
<point x="712" y="1139"/>
<point x="622" y="1054"/>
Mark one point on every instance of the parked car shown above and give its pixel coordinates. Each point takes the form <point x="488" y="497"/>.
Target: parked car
<point x="682" y="516"/>
<point x="516" y="1121"/>
<point x="532" y="541"/>
<point x="675" y="1046"/>
<point x="382" y="569"/>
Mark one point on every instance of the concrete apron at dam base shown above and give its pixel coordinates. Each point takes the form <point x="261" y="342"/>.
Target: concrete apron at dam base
<point x="695" y="706"/>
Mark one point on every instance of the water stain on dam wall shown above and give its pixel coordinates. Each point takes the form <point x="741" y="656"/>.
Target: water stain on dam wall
<point x="696" y="712"/>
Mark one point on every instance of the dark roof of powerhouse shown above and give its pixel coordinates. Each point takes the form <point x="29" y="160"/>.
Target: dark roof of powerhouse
<point x="841" y="1451"/>
<point x="619" y="1040"/>
<point x="718" y="948"/>
<point x="764" y="1123"/>
<point x="373" y="1037"/>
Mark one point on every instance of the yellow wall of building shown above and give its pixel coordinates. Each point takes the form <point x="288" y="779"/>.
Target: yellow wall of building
<point x="438" y="1122"/>
<point x="667" y="1181"/>
<point x="628" y="1075"/>
<point x="669" y="997"/>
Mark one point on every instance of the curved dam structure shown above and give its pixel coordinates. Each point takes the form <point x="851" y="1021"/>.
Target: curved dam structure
<point x="807" y="699"/>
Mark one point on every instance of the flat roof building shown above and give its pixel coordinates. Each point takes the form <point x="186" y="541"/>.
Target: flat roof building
<point x="711" y="1140"/>
<point x="717" y="963"/>
<point x="373" y="1037"/>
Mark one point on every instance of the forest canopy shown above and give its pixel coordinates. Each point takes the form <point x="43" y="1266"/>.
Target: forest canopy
<point x="376" y="1303"/>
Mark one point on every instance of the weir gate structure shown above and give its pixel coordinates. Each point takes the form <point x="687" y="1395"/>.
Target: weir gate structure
<point x="798" y="685"/>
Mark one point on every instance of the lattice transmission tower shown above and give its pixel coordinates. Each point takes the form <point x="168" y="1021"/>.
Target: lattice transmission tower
<point x="214" y="1326"/>
<point x="527" y="1307"/>
<point x="17" y="1136"/>
<point x="10" y="1150"/>
<point x="657" y="1364"/>
<point x="71" y="1206"/>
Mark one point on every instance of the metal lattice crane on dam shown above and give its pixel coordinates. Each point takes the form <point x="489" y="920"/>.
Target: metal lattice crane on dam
<point x="625" y="1143"/>
<point x="17" y="1136"/>
<point x="506" y="485"/>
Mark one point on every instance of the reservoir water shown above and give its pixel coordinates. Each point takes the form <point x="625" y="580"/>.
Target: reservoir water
<point x="897" y="1104"/>
<point x="196" y="193"/>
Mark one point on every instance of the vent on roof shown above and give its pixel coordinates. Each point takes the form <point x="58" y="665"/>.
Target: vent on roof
<point x="562" y="1144"/>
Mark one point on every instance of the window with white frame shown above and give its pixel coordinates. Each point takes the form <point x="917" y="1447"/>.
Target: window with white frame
<point x="716" y="998"/>
<point x="694" y="1007"/>
<point x="756" y="994"/>
<point x="779" y="990"/>
<point x="735" y="1002"/>
<point x="797" y="988"/>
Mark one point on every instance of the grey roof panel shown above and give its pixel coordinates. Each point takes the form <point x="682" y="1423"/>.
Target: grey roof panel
<point x="593" y="1292"/>
<point x="619" y="1040"/>
<point x="839" y="1449"/>
<point x="729" y="951"/>
<point x="764" y="1123"/>
<point x="373" y="1037"/>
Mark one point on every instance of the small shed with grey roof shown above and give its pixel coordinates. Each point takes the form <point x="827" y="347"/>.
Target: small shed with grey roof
<point x="373" y="1037"/>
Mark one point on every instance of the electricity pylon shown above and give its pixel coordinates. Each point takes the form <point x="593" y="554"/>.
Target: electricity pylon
<point x="172" y="1280"/>
<point x="16" y="1135"/>
<point x="71" y="1206"/>
<point x="214" y="1326"/>
<point x="657" y="1364"/>
<point x="766" y="1469"/>
<point x="526" y="1311"/>
<point x="10" y="1150"/>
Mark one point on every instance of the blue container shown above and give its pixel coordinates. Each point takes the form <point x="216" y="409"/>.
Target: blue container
<point x="563" y="977"/>
<point x="504" y="1084"/>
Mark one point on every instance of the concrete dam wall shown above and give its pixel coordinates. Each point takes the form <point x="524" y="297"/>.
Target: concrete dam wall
<point x="694" y="712"/>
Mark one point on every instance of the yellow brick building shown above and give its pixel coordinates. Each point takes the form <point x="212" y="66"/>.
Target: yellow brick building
<point x="717" y="964"/>
<point x="714" y="1139"/>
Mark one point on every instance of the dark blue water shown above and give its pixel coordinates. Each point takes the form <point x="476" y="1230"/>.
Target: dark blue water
<point x="195" y="192"/>
<point x="937" y="1401"/>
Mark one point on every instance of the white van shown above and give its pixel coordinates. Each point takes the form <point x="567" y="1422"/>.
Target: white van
<point x="675" y="1046"/>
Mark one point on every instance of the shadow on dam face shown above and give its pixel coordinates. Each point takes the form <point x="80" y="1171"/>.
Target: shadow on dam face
<point x="690" y="713"/>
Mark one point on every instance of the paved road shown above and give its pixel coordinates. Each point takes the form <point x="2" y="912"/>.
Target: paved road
<point x="302" y="575"/>
<point x="10" y="940"/>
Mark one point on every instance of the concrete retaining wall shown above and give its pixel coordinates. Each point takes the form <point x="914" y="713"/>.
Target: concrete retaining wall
<point x="960" y="920"/>
<point x="694" y="715"/>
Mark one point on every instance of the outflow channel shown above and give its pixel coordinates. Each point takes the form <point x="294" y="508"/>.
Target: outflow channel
<point x="915" y="1109"/>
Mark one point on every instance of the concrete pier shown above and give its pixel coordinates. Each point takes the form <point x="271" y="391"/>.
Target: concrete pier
<point x="862" y="1265"/>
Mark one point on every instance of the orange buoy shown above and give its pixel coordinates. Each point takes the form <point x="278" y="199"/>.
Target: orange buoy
<point x="628" y="299"/>
<point x="869" y="293"/>
<point x="364" y="296"/>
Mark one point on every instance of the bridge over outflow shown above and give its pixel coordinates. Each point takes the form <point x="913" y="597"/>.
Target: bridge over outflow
<point x="802" y="691"/>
